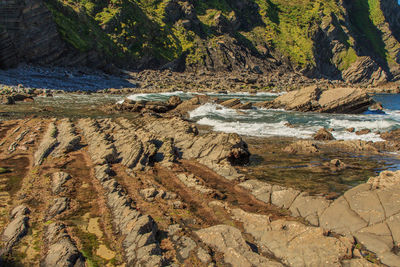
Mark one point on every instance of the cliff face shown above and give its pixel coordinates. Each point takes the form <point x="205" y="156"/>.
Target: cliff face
<point x="28" y="33"/>
<point x="331" y="38"/>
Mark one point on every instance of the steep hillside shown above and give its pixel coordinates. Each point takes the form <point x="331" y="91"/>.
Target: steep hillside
<point x="357" y="40"/>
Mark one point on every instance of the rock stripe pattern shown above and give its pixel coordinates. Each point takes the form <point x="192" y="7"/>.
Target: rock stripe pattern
<point x="16" y="229"/>
<point x="49" y="142"/>
<point x="138" y="230"/>
<point x="62" y="251"/>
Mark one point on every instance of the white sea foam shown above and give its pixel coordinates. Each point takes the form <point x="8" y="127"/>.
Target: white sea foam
<point x="345" y="135"/>
<point x="210" y="109"/>
<point x="393" y="114"/>
<point x="377" y="125"/>
<point x="151" y="96"/>
<point x="258" y="129"/>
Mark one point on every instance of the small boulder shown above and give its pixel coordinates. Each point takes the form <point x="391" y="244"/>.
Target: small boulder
<point x="7" y="100"/>
<point x="363" y="131"/>
<point x="323" y="134"/>
<point x="231" y="103"/>
<point x="174" y="101"/>
<point x="59" y="206"/>
<point x="58" y="180"/>
<point x="149" y="193"/>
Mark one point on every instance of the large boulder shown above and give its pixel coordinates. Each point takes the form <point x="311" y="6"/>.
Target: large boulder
<point x="314" y="98"/>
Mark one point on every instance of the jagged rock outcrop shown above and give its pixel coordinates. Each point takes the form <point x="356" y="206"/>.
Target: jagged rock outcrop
<point x="138" y="230"/>
<point x="313" y="98"/>
<point x="58" y="179"/>
<point x="365" y="70"/>
<point x="49" y="142"/>
<point x="62" y="251"/>
<point x="323" y="134"/>
<point x="68" y="140"/>
<point x="217" y="151"/>
<point x="58" y="206"/>
<point x="16" y="229"/>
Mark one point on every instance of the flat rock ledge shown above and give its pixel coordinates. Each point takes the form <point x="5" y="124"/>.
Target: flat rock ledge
<point x="313" y="98"/>
<point x="369" y="212"/>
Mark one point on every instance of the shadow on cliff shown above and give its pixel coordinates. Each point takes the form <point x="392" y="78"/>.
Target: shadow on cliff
<point x="367" y="33"/>
<point x="61" y="79"/>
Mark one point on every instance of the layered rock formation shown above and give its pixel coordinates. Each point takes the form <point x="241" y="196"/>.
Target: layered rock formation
<point x="338" y="100"/>
<point x="356" y="41"/>
<point x="153" y="191"/>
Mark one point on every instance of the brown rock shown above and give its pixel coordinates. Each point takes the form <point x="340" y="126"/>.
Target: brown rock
<point x="364" y="131"/>
<point x="231" y="103"/>
<point x="365" y="70"/>
<point x="323" y="134"/>
<point x="174" y="101"/>
<point x="313" y="98"/>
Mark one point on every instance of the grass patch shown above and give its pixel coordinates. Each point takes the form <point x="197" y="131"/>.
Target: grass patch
<point x="89" y="245"/>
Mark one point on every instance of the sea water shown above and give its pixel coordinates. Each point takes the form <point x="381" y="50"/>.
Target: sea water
<point x="268" y="122"/>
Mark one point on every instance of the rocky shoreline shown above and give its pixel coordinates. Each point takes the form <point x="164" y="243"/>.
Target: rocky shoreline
<point x="138" y="184"/>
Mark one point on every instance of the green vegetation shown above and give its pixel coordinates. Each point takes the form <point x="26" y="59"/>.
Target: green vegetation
<point x="346" y="58"/>
<point x="132" y="30"/>
<point x="89" y="245"/>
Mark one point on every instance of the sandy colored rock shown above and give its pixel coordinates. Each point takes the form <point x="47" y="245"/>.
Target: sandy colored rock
<point x="67" y="139"/>
<point x="385" y="179"/>
<point x="365" y="203"/>
<point x="62" y="251"/>
<point x="193" y="182"/>
<point x="323" y="134"/>
<point x="59" y="205"/>
<point x="346" y="223"/>
<point x="313" y="98"/>
<point x="229" y="241"/>
<point x="58" y="179"/>
<point x="47" y="144"/>
<point x="262" y="191"/>
<point x="292" y="242"/>
<point x="302" y="147"/>
<point x="16" y="229"/>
